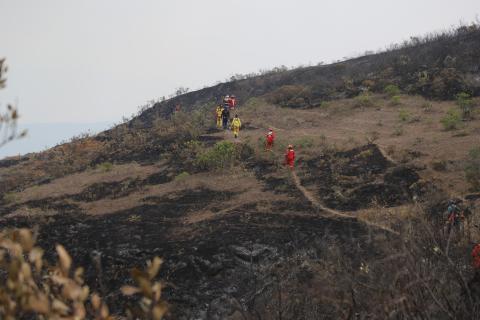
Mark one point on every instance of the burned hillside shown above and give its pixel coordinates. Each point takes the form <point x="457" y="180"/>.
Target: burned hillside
<point x="355" y="228"/>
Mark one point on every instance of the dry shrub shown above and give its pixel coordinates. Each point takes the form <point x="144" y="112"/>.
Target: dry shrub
<point x="472" y="169"/>
<point x="8" y="119"/>
<point x="420" y="274"/>
<point x="30" y="286"/>
<point x="293" y="96"/>
<point x="439" y="165"/>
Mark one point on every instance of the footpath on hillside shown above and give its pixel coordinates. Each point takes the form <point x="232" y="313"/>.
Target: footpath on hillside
<point x="226" y="135"/>
<point x="317" y="204"/>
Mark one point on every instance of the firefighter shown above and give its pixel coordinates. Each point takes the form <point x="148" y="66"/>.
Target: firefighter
<point x="455" y="217"/>
<point x="232" y="102"/>
<point x="226" y="102"/>
<point x="476" y="257"/>
<point x="290" y="156"/>
<point x="270" y="138"/>
<point x="225" y="117"/>
<point x="236" y="125"/>
<point x="218" y="114"/>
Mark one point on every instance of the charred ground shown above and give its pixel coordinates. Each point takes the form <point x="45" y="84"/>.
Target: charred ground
<point x="240" y="238"/>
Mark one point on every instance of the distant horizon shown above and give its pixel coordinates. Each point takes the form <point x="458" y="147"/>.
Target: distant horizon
<point x="99" y="60"/>
<point x="41" y="136"/>
<point x="65" y="130"/>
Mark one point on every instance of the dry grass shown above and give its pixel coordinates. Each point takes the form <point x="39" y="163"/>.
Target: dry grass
<point x="75" y="183"/>
<point x="342" y="125"/>
<point x="389" y="216"/>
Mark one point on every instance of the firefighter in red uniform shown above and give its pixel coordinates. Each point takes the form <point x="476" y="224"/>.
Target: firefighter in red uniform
<point x="270" y="138"/>
<point x="290" y="156"/>
<point x="476" y="257"/>
<point x="232" y="102"/>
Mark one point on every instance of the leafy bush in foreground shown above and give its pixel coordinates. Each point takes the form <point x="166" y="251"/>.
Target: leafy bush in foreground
<point x="29" y="286"/>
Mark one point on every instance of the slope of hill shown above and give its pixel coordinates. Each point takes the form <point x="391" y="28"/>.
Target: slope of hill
<point x="355" y="232"/>
<point x="437" y="66"/>
<point x="41" y="136"/>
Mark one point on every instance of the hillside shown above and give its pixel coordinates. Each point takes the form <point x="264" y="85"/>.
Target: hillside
<point x="436" y="66"/>
<point x="354" y="232"/>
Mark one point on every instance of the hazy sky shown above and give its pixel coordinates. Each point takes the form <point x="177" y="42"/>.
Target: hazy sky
<point x="97" y="60"/>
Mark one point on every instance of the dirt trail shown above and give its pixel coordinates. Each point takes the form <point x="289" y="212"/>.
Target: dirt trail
<point x="385" y="154"/>
<point x="317" y="204"/>
<point x="314" y="201"/>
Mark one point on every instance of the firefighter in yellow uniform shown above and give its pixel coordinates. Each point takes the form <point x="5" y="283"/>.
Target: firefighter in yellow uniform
<point x="236" y="125"/>
<point x="218" y="113"/>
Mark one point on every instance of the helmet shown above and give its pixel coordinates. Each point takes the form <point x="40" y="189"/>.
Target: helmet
<point x="270" y="129"/>
<point x="227" y="96"/>
<point x="290" y="146"/>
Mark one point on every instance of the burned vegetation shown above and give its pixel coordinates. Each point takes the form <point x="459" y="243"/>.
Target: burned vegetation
<point x="353" y="232"/>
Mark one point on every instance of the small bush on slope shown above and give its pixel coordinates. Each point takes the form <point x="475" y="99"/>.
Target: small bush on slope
<point x="292" y="96"/>
<point x="363" y="100"/>
<point x="451" y="120"/>
<point x="392" y="90"/>
<point x="472" y="169"/>
<point x="404" y="115"/>
<point x="221" y="156"/>
<point x="395" y="101"/>
<point x="465" y="102"/>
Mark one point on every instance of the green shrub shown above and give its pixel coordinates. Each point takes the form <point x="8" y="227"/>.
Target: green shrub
<point x="220" y="156"/>
<point x="324" y="104"/>
<point x="182" y="175"/>
<point x="472" y="169"/>
<point x="403" y="115"/>
<point x="395" y="101"/>
<point x="465" y="102"/>
<point x="105" y="166"/>
<point x="451" y="120"/>
<point x="392" y="90"/>
<point x="364" y="100"/>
